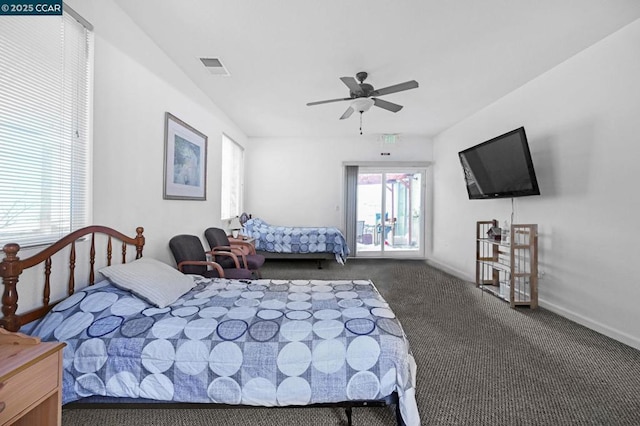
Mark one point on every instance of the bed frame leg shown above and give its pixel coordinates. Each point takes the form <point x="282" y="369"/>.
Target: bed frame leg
<point x="319" y="263"/>
<point x="399" y="420"/>
<point x="349" y="412"/>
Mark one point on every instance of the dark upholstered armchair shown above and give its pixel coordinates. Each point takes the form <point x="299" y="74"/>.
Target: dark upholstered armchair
<point x="219" y="243"/>
<point x="191" y="258"/>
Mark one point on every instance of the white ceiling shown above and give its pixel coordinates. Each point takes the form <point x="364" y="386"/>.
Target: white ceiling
<point x="281" y="54"/>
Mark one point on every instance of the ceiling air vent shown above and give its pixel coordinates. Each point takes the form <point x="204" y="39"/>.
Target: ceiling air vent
<point x="214" y="66"/>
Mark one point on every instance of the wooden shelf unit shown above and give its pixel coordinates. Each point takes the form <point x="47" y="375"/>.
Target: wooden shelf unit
<point x="508" y="269"/>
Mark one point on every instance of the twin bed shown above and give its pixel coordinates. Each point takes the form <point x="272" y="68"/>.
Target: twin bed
<point x="140" y="331"/>
<point x="294" y="242"/>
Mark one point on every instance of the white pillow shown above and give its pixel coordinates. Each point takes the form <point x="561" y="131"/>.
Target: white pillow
<point x="154" y="281"/>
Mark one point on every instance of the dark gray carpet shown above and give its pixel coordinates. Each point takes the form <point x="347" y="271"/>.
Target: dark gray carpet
<point x="479" y="361"/>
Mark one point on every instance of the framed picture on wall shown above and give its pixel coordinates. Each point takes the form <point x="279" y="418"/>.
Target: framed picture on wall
<point x="185" y="161"/>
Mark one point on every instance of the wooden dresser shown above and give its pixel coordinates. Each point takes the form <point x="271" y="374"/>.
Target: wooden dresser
<point x="30" y="380"/>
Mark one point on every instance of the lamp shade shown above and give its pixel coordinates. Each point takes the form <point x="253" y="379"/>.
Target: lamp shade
<point x="235" y="223"/>
<point x="362" y="104"/>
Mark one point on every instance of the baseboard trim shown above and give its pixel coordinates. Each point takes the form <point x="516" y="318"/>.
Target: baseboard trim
<point x="449" y="270"/>
<point x="589" y="323"/>
<point x="563" y="312"/>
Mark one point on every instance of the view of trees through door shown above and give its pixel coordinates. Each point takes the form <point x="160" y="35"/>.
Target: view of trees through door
<point x="389" y="213"/>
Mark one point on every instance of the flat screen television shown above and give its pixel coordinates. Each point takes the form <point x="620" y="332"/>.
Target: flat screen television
<point x="500" y="167"/>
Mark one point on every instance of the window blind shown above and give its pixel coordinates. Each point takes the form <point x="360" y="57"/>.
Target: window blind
<point x="232" y="183"/>
<point x="44" y="127"/>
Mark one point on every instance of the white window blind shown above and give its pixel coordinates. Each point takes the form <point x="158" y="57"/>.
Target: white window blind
<point x="45" y="81"/>
<point x="232" y="183"/>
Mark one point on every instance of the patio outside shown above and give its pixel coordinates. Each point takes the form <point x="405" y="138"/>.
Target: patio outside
<point x="400" y="229"/>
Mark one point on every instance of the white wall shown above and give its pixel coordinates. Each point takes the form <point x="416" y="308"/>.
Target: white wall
<point x="582" y="123"/>
<point x="135" y="84"/>
<point x="299" y="181"/>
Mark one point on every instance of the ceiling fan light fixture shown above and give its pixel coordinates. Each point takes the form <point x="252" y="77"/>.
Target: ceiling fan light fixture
<point x="362" y="104"/>
<point x="363" y="96"/>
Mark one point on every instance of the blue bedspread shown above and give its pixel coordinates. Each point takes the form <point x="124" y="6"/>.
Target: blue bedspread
<point x="288" y="239"/>
<point x="263" y="342"/>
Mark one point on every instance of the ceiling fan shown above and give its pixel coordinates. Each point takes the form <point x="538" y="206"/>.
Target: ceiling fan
<point x="364" y="96"/>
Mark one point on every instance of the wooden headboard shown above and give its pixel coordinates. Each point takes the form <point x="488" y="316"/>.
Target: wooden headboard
<point x="12" y="267"/>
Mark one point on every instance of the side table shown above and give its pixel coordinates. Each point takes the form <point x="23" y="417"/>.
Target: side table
<point x="30" y="380"/>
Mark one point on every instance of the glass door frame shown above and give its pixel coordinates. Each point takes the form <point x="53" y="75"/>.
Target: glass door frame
<point x="419" y="253"/>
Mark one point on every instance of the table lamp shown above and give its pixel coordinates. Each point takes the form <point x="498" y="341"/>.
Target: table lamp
<point x="235" y="226"/>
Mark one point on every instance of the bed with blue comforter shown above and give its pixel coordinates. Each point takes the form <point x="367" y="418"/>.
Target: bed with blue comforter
<point x="263" y="342"/>
<point x="296" y="240"/>
<point x="141" y="331"/>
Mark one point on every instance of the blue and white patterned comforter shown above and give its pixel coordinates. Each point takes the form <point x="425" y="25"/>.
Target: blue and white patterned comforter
<point x="263" y="342"/>
<point x="288" y="239"/>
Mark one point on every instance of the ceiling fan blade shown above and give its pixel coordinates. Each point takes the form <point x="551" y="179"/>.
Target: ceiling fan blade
<point x="352" y="84"/>
<point x="395" y="88"/>
<point x="389" y="106"/>
<point x="347" y="113"/>
<point x="327" y="101"/>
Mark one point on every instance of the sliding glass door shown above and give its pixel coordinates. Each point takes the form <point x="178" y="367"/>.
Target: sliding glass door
<point x="389" y="212"/>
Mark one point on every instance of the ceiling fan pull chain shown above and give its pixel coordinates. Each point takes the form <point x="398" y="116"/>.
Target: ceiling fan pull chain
<point x="360" y="122"/>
